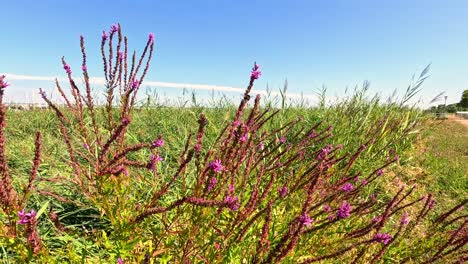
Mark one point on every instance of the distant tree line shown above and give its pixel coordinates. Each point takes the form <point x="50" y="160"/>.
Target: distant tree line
<point x="452" y="108"/>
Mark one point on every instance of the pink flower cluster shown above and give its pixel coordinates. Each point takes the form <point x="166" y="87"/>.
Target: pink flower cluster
<point x="344" y="211"/>
<point x="283" y="191"/>
<point x="255" y="74"/>
<point x="216" y="166"/>
<point x="3" y="84"/>
<point x="305" y="219"/>
<point x="383" y="238"/>
<point x="67" y="68"/>
<point x="232" y="202"/>
<point x="25" y="218"/>
<point x="212" y="183"/>
<point x="157" y="143"/>
<point x="347" y="187"/>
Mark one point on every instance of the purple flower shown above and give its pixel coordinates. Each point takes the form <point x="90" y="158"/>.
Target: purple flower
<point x="313" y="135"/>
<point x="344" y="211"/>
<point x="326" y="208"/>
<point x="135" y="84"/>
<point x="212" y="183"/>
<point x="282" y="139"/>
<point x="125" y="121"/>
<point x="305" y="219"/>
<point x="120" y="261"/>
<point x="255" y="72"/>
<point x="236" y="123"/>
<point x="283" y="191"/>
<point x="260" y="146"/>
<point x="3" y="84"/>
<point x="380" y="172"/>
<point x="216" y="165"/>
<point x="67" y="68"/>
<point x="324" y="152"/>
<point x="339" y="146"/>
<point x="25" y="218"/>
<point x="243" y="138"/>
<point x="157" y="143"/>
<point x="376" y="219"/>
<point x="121" y="55"/>
<point x="383" y="238"/>
<point x="114" y="28"/>
<point x="404" y="220"/>
<point x="86" y="146"/>
<point x="397" y="158"/>
<point x="232" y="202"/>
<point x="84" y="68"/>
<point x="432" y="203"/>
<point x="104" y="35"/>
<point x="231" y="188"/>
<point x="348" y="187"/>
<point x="153" y="160"/>
<point x="151" y="37"/>
<point x="364" y="182"/>
<point x="198" y="147"/>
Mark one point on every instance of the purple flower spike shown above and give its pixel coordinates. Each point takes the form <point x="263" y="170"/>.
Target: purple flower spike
<point x="348" y="187"/>
<point x="120" y="261"/>
<point x="125" y="121"/>
<point x="404" y="220"/>
<point x="157" y="143"/>
<point x="135" y="84"/>
<point x="216" y="166"/>
<point x="243" y="138"/>
<point x="305" y="219"/>
<point x="121" y="55"/>
<point x="232" y="202"/>
<point x="255" y="72"/>
<point x="212" y="183"/>
<point x="67" y="68"/>
<point x="380" y="172"/>
<point x="151" y="37"/>
<point x="260" y="146"/>
<point x="114" y="28"/>
<point x="3" y="84"/>
<point x="282" y="139"/>
<point x="84" y="68"/>
<point x="104" y="35"/>
<point x="153" y="160"/>
<point x="383" y="238"/>
<point x="25" y="218"/>
<point x="283" y="191"/>
<point x="344" y="211"/>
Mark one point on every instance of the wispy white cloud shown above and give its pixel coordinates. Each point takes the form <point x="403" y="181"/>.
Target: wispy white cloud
<point x="190" y="86"/>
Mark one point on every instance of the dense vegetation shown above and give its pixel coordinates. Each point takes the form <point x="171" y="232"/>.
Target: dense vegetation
<point x="252" y="183"/>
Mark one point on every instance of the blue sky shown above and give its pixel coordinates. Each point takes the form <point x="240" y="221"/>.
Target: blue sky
<point x="311" y="43"/>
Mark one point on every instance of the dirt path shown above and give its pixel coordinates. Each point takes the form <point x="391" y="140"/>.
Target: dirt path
<point x="459" y="120"/>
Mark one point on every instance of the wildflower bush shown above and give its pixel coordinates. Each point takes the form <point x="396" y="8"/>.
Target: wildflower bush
<point x="255" y="189"/>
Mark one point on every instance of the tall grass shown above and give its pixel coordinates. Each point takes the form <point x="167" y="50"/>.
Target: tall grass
<point x="253" y="183"/>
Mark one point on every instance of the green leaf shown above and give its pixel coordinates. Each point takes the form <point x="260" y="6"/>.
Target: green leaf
<point x="42" y="210"/>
